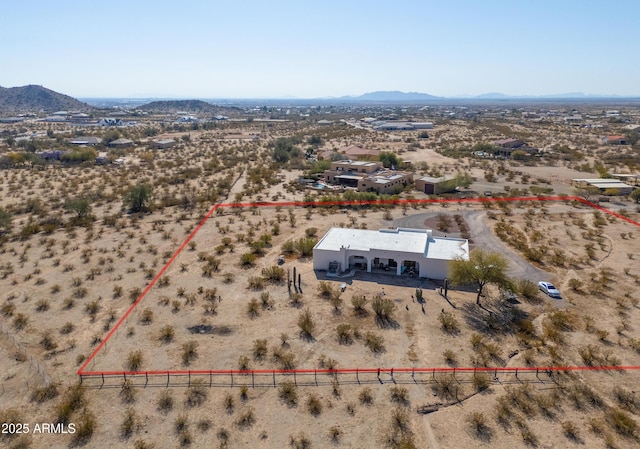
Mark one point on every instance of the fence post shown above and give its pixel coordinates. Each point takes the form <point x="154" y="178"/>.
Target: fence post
<point x="146" y="375"/>
<point x="231" y="372"/>
<point x="253" y="381"/>
<point x="295" y="381"/>
<point x="210" y="379"/>
<point x="274" y="379"/>
<point x="357" y="376"/>
<point x="189" y="377"/>
<point x="315" y="376"/>
<point x="80" y="380"/>
<point x="102" y="380"/>
<point x="167" y="378"/>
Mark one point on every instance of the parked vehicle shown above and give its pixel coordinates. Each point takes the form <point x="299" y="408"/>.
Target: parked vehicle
<point x="549" y="289"/>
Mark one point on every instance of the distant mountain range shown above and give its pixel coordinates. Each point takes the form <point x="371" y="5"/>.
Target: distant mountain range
<point x="33" y="98"/>
<point x="391" y="95"/>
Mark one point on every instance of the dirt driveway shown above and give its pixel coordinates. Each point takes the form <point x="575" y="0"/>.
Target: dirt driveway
<point x="482" y="236"/>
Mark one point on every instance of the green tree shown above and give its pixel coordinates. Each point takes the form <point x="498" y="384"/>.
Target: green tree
<point x="587" y="192"/>
<point x="5" y="220"/>
<point x="635" y="195"/>
<point x="390" y="159"/>
<point x="81" y="206"/>
<point x="138" y="198"/>
<point x="482" y="268"/>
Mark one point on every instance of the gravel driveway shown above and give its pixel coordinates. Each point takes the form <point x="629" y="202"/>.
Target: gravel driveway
<point x="482" y="236"/>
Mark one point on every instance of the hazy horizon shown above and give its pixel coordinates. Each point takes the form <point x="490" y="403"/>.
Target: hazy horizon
<point x="291" y="50"/>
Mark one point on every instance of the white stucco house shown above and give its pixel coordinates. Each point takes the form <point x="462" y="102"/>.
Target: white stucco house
<point x="400" y="251"/>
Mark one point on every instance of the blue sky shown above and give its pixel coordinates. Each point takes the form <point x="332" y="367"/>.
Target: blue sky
<point x="252" y="48"/>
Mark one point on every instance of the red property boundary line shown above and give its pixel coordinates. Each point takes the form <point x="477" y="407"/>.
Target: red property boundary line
<point x="82" y="373"/>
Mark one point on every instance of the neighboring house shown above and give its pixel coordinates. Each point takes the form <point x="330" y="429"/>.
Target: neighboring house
<point x="187" y="119"/>
<point x="85" y="140"/>
<point x="435" y="186"/>
<point x="357" y="152"/>
<point x="507" y="146"/>
<point x="367" y="176"/>
<point x="325" y="122"/>
<point x="51" y="155"/>
<point x="604" y="184"/>
<point x="614" y="140"/>
<point x="162" y="144"/>
<point x="401" y="251"/>
<point x="120" y="143"/>
<point x="110" y="121"/>
<point x="394" y="126"/>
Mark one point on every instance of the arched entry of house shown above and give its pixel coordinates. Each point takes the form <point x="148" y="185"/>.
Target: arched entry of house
<point x="410" y="268"/>
<point x="358" y="262"/>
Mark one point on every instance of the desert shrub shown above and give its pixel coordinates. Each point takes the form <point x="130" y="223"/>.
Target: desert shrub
<point x="274" y="274"/>
<point x="256" y="283"/>
<point x="129" y="423"/>
<point x="147" y="317"/>
<point x="165" y="401"/>
<point x="450" y="357"/>
<point x="243" y="363"/>
<point x="374" y="342"/>
<point x="479" y="425"/>
<point x="359" y="302"/>
<point x="314" y="405"/>
<point x="366" y="396"/>
<point x="127" y="393"/>
<point x="196" y="394"/>
<point x="167" y="334"/>
<point x="246" y="418"/>
<point x="85" y="426"/>
<point x="345" y="335"/>
<point x="248" y="260"/>
<point x="445" y="386"/>
<point x="47" y="341"/>
<point x="288" y="392"/>
<point x="448" y="322"/>
<point x="301" y="441"/>
<point x="570" y="430"/>
<point x="134" y="361"/>
<point x="400" y="395"/>
<point x="259" y="348"/>
<point x="383" y="308"/>
<point x="325" y="289"/>
<point x="44" y="394"/>
<point x="306" y="324"/>
<point x="189" y="352"/>
<point x="621" y="422"/>
<point x="253" y="308"/>
<point x="481" y="380"/>
<point x="20" y="321"/>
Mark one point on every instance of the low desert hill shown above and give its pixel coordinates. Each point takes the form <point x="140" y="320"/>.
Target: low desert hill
<point x="168" y="106"/>
<point x="34" y="98"/>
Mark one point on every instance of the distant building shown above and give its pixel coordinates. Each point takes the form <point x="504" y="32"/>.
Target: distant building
<point x="85" y="140"/>
<point x="505" y="147"/>
<point x="357" y="152"/>
<point x="110" y="121"/>
<point x="604" y="184"/>
<point x="614" y="140"/>
<point x="325" y="122"/>
<point x="400" y="251"/>
<point x="367" y="177"/>
<point x="120" y="143"/>
<point x="435" y="186"/>
<point x="162" y="144"/>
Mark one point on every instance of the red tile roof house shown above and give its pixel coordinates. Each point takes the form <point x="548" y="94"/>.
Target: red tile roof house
<point x="614" y="140"/>
<point x="357" y="152"/>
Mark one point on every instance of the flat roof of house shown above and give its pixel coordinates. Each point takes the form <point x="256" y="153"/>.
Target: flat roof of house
<point x="413" y="241"/>
<point x="432" y="180"/>
<point x="613" y="185"/>
<point x="599" y="181"/>
<point x="361" y="163"/>
<point x="348" y="177"/>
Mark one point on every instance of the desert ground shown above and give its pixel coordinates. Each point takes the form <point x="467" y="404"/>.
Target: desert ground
<point x="223" y="303"/>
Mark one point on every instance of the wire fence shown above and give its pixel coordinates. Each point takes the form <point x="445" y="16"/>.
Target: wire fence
<point x="320" y="377"/>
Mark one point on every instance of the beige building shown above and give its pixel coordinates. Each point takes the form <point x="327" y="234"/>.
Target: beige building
<point x="367" y="177"/>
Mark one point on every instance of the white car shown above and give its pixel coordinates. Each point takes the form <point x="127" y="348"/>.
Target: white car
<point x="549" y="289"/>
